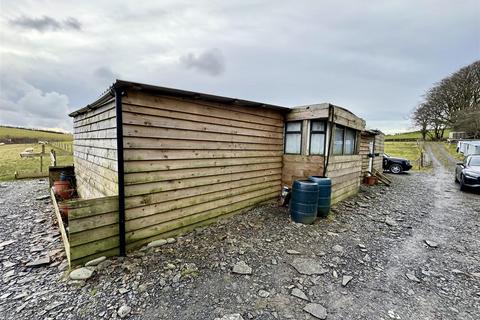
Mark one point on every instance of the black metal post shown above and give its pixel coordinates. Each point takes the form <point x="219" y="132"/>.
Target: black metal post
<point x="120" y="170"/>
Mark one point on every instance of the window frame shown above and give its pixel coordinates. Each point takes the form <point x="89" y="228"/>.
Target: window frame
<point x="312" y="132"/>
<point x="293" y="132"/>
<point x="354" y="151"/>
<point x="355" y="141"/>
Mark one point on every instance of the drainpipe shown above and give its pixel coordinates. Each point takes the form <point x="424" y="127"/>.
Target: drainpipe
<point x="120" y="170"/>
<point x="326" y="158"/>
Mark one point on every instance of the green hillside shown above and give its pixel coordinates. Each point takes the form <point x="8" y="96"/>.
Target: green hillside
<point x="24" y="135"/>
<point x="411" y="135"/>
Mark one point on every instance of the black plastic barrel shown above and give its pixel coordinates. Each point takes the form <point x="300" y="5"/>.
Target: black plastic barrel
<point x="303" y="204"/>
<point x="324" y="194"/>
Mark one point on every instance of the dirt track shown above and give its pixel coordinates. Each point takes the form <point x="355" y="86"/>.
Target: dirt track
<point x="381" y="234"/>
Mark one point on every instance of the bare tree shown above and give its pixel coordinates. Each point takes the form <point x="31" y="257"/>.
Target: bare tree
<point x="454" y="102"/>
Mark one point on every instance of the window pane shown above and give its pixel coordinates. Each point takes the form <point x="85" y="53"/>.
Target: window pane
<point x="292" y="142"/>
<point x="338" y="143"/>
<point x="318" y="126"/>
<point x="294" y="126"/>
<point x="317" y="143"/>
<point x="349" y="141"/>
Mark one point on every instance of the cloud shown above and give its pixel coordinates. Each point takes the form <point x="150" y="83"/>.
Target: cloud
<point x="22" y="104"/>
<point x="105" y="73"/>
<point x="46" y="23"/>
<point x="210" y="62"/>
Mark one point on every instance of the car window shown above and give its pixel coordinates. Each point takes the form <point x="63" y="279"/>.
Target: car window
<point x="475" y="161"/>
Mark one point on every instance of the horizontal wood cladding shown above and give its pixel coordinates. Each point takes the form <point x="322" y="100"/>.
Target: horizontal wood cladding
<point x="109" y="154"/>
<point x="345" y="172"/>
<point x="194" y="135"/>
<point x="203" y="190"/>
<point x="168" y="214"/>
<point x="341" y="116"/>
<point x="93" y="228"/>
<point x="94" y="168"/>
<point x="174" y="204"/>
<point x="95" y="154"/>
<point x="102" y="112"/>
<point x="189" y="161"/>
<point x="174" y="119"/>
<point x="169" y="174"/>
<point x="153" y="230"/>
<point x="305" y="113"/>
<point x="157" y="165"/>
<point x="153" y="187"/>
<point x="98" y="186"/>
<point x="189" y="106"/>
<point x="159" y="143"/>
<point x="300" y="167"/>
<point x="165" y="154"/>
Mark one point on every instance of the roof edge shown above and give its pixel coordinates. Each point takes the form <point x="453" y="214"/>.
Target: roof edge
<point x="123" y="84"/>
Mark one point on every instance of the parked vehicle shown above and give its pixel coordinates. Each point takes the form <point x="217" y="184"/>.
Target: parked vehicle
<point x="467" y="173"/>
<point x="395" y="165"/>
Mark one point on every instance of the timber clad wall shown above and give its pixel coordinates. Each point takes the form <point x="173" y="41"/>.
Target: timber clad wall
<point x="379" y="141"/>
<point x="379" y="148"/>
<point x="300" y="167"/>
<point x="345" y="172"/>
<point x="187" y="162"/>
<point x="95" y="152"/>
<point x="93" y="229"/>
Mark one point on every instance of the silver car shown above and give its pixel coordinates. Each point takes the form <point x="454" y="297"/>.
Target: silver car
<point x="467" y="173"/>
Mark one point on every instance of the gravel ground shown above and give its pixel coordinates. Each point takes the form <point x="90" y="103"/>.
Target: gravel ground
<point x="411" y="250"/>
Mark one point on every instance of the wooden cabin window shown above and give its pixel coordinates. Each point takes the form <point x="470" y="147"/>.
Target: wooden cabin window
<point x="339" y="138"/>
<point x="293" y="137"/>
<point x="349" y="146"/>
<point x="317" y="137"/>
<point x="345" y="140"/>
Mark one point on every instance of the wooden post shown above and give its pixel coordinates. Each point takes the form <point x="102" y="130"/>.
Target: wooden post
<point x="41" y="158"/>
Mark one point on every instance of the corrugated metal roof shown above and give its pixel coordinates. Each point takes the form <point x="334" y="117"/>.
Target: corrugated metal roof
<point x="122" y="84"/>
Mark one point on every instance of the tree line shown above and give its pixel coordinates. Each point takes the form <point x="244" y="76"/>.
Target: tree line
<point x="454" y="103"/>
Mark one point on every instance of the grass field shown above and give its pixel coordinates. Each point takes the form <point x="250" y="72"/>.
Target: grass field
<point x="19" y="133"/>
<point x="452" y="149"/>
<point x="407" y="150"/>
<point x="10" y="160"/>
<point x="412" y="135"/>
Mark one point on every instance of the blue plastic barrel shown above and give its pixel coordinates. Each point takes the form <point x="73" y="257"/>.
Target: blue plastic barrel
<point x="324" y="194"/>
<point x="303" y="204"/>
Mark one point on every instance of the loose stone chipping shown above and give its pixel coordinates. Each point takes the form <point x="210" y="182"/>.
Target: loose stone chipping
<point x="157" y="243"/>
<point x="95" y="262"/>
<point x="242" y="268"/>
<point x="299" y="294"/>
<point x="316" y="310"/>
<point x="123" y="311"/>
<point x="308" y="266"/>
<point x="233" y="316"/>
<point x="81" y="274"/>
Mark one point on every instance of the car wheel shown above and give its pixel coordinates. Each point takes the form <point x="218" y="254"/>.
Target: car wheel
<point x="462" y="185"/>
<point x="395" y="168"/>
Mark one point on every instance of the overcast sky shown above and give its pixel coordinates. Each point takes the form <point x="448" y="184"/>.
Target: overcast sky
<point x="376" y="58"/>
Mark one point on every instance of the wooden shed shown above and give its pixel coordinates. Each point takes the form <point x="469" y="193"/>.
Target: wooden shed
<point x="323" y="139"/>
<point x="153" y="162"/>
<point x="372" y="148"/>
